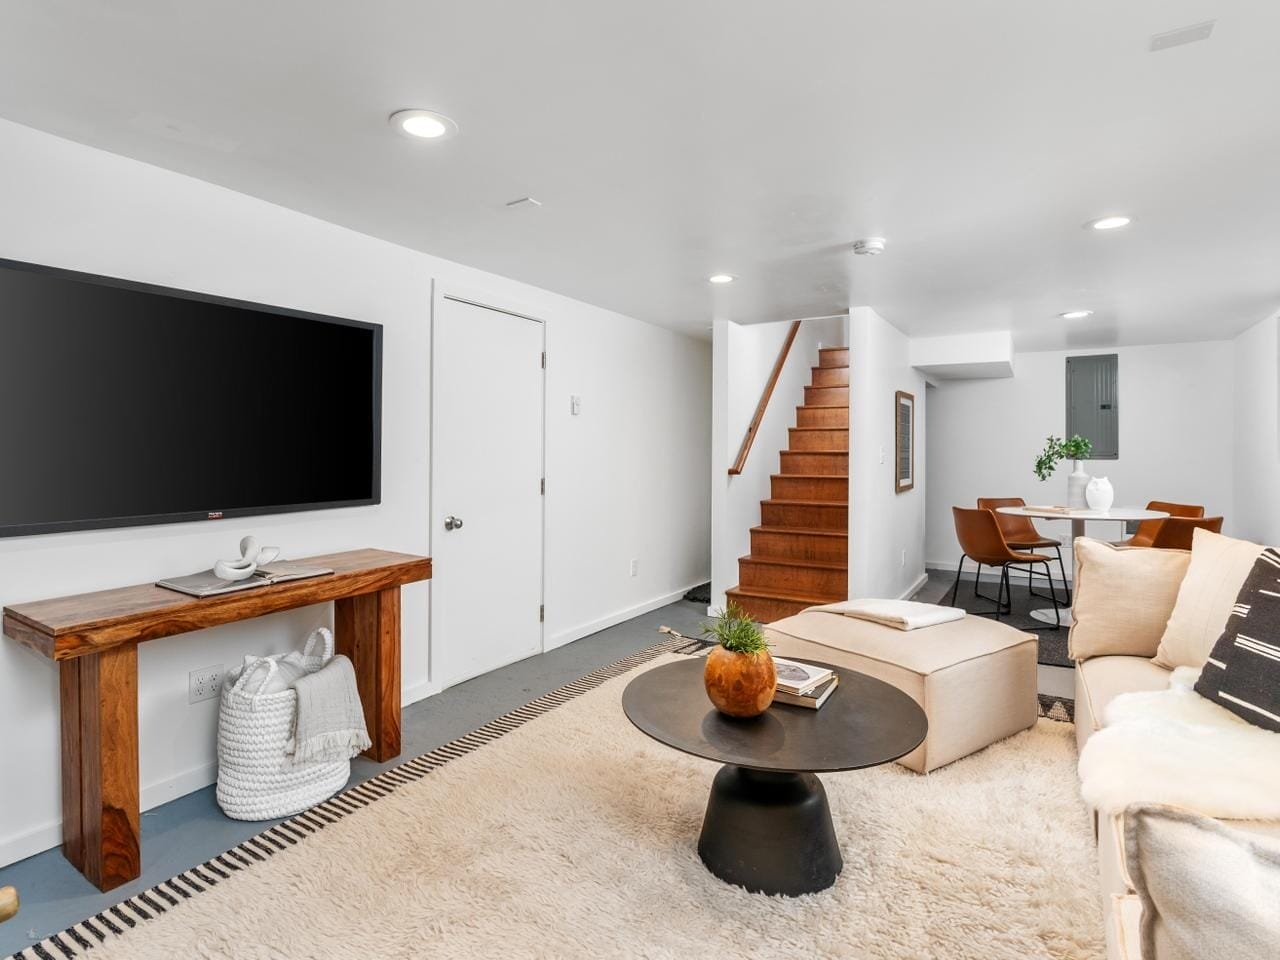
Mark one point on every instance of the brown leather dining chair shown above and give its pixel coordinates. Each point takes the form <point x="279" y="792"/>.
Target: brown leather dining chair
<point x="981" y="541"/>
<point x="1145" y="535"/>
<point x="1021" y="534"/>
<point x="1176" y="532"/>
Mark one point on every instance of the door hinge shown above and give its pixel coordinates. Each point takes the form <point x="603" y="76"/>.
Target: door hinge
<point x="542" y="487"/>
<point x="544" y="359"/>
<point x="542" y="613"/>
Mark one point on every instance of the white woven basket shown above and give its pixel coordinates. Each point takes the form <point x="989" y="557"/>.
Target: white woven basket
<point x="256" y="779"/>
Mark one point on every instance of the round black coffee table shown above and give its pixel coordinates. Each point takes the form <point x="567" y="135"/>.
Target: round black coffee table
<point x="768" y="825"/>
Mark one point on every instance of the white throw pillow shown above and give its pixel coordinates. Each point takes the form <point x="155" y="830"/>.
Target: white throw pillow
<point x="1219" y="566"/>
<point x="1208" y="891"/>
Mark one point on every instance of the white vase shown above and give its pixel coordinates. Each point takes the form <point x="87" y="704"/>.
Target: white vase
<point x="1099" y="495"/>
<point x="1076" y="484"/>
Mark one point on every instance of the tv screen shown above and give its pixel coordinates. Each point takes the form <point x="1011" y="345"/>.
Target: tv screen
<point x="123" y="403"/>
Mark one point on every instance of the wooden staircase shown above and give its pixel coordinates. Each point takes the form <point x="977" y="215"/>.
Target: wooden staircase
<point x="800" y="552"/>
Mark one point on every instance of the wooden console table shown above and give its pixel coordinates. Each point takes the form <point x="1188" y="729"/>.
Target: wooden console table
<point x="94" y="638"/>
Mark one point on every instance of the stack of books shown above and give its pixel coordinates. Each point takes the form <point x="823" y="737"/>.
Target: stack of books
<point x="803" y="684"/>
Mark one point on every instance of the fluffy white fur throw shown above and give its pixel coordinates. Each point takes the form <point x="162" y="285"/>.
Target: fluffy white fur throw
<point x="1174" y="746"/>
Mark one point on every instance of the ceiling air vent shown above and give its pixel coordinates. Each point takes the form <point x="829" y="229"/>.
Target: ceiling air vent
<point x="1176" y="38"/>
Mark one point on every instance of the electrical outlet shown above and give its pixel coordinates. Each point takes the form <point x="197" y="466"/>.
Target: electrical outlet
<point x="575" y="405"/>
<point x="635" y="567"/>
<point x="204" y="684"/>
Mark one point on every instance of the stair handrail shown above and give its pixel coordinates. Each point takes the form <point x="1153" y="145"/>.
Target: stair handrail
<point x="763" y="405"/>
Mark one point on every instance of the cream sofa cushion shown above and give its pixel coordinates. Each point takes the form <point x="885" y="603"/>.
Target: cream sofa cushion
<point x="1208" y="890"/>
<point x="1123" y="598"/>
<point x="1101" y="679"/>
<point x="1219" y="566"/>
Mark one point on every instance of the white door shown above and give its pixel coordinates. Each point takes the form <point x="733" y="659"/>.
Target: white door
<point x="486" y="504"/>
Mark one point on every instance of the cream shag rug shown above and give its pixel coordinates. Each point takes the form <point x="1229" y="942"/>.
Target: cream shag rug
<point x="573" y="836"/>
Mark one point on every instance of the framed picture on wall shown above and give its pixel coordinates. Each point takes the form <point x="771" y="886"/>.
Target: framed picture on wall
<point x="904" y="443"/>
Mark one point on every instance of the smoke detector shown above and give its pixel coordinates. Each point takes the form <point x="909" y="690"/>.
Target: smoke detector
<point x="868" y="246"/>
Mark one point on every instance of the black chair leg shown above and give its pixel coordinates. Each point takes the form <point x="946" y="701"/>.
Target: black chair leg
<point x="1057" y="615"/>
<point x="1004" y="596"/>
<point x="1004" y="605"/>
<point x="955" y="588"/>
<point x="1032" y="573"/>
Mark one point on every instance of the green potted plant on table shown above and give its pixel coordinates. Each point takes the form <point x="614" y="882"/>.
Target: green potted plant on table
<point x="1056" y="450"/>
<point x="739" y="676"/>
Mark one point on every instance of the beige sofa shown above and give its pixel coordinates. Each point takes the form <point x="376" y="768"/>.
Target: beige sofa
<point x="1101" y="676"/>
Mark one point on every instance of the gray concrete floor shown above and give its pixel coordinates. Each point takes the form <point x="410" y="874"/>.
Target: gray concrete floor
<point x="190" y="830"/>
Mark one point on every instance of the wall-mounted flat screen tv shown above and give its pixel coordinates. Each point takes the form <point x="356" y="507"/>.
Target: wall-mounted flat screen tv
<point x="123" y="403"/>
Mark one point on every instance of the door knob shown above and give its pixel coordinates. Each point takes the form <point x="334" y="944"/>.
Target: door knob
<point x="452" y="523"/>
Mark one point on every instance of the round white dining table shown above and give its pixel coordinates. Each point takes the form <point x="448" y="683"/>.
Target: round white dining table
<point x="1078" y="519"/>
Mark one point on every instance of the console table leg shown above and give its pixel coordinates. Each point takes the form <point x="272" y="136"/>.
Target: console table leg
<point x="367" y="630"/>
<point x="100" y="814"/>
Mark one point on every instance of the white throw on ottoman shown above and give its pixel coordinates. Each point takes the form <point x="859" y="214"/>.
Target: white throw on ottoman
<point x="975" y="678"/>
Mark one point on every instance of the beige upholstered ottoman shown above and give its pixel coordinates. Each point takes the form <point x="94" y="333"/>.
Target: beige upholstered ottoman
<point x="975" y="678"/>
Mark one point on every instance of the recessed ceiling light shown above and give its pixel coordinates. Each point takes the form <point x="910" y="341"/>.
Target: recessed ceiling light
<point x="721" y="278"/>
<point x="1109" y="223"/>
<point x="1076" y="314"/>
<point x="423" y="124"/>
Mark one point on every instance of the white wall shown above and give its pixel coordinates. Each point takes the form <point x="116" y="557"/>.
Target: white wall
<point x="1175" y="406"/>
<point x="745" y="357"/>
<point x="626" y="479"/>
<point x="1256" y="459"/>
<point x="887" y="529"/>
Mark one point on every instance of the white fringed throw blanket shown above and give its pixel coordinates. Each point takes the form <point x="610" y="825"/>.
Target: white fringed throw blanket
<point x="330" y="722"/>
<point x="1174" y="746"/>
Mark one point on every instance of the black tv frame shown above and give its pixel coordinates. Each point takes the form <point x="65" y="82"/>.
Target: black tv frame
<point x="109" y="523"/>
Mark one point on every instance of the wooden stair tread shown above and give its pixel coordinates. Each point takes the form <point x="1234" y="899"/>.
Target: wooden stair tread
<point x="805" y="503"/>
<point x="845" y="429"/>
<point x="822" y="406"/>
<point x="764" y="594"/>
<point x="801" y="531"/>
<point x="811" y="476"/>
<point x="793" y="562"/>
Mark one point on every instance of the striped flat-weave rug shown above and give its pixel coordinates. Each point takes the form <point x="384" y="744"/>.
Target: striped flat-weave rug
<point x="133" y="912"/>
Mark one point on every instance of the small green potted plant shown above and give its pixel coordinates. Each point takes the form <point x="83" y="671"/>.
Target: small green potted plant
<point x="739" y="676"/>
<point x="1055" y="451"/>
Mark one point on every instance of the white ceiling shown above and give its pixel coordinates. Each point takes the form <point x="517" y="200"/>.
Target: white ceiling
<point x="670" y="139"/>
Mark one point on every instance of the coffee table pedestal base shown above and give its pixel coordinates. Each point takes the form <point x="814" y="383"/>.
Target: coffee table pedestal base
<point x="770" y="832"/>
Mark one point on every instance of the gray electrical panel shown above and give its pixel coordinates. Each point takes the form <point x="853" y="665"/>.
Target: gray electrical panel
<point x="1092" y="404"/>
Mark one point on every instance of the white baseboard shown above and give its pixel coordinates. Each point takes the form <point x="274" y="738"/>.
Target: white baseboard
<point x="418" y="691"/>
<point x="23" y="845"/>
<point x="49" y="835"/>
<point x="613" y="619"/>
<point x="914" y="588"/>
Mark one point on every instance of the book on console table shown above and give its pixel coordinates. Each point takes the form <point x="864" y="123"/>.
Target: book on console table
<point x="814" y="698"/>
<point x="798" y="678"/>
<point x="206" y="583"/>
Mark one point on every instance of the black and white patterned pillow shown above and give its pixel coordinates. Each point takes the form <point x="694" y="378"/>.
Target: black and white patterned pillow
<point x="1243" y="671"/>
